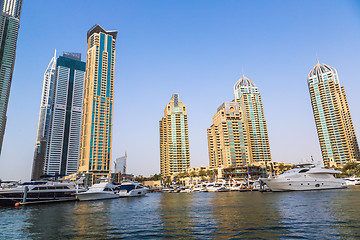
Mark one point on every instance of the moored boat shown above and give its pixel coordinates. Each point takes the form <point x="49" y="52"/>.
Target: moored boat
<point x="351" y="181"/>
<point x="99" y="191"/>
<point x="39" y="191"/>
<point x="305" y="177"/>
<point x="132" y="189"/>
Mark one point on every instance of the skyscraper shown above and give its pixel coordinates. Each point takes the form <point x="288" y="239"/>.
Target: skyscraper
<point x="9" y="27"/>
<point x="63" y="143"/>
<point x="247" y="95"/>
<point x="332" y="116"/>
<point x="120" y="164"/>
<point x="227" y="137"/>
<point x="174" y="138"/>
<point x="96" y="133"/>
<point x="44" y="119"/>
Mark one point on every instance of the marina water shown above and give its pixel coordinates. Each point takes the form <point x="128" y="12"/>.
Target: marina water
<point x="330" y="214"/>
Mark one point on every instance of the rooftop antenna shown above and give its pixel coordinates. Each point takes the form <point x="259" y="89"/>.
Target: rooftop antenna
<point x="242" y="68"/>
<point x="317" y="58"/>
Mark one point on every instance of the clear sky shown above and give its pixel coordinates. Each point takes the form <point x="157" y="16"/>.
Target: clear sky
<point x="198" y="49"/>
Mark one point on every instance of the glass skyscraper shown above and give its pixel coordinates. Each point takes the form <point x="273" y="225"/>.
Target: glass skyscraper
<point x="58" y="141"/>
<point x="96" y="133"/>
<point x="9" y="27"/>
<point x="44" y="119"/>
<point x="174" y="138"/>
<point x="332" y="116"/>
<point x="247" y="95"/>
<point x="63" y="146"/>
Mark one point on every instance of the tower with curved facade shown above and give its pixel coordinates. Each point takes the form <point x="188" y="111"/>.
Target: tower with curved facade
<point x="247" y="95"/>
<point x="334" y="125"/>
<point x="44" y="119"/>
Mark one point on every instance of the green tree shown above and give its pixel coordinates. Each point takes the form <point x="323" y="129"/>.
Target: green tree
<point x="202" y="173"/>
<point x="351" y="168"/>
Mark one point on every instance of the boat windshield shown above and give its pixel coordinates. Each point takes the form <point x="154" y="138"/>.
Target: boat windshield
<point x="127" y="187"/>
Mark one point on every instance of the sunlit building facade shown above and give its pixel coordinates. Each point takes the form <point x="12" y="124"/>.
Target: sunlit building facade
<point x="9" y="27"/>
<point x="247" y="95"/>
<point x="174" y="138"/>
<point x="332" y="116"/>
<point x="96" y="133"/>
<point x="227" y="137"/>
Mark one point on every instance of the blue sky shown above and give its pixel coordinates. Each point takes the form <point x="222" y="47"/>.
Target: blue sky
<point x="198" y="49"/>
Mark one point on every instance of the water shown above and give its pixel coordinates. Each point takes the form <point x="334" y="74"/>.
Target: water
<point x="332" y="214"/>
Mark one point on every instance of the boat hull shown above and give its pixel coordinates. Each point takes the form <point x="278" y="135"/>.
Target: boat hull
<point x="281" y="185"/>
<point x="9" y="198"/>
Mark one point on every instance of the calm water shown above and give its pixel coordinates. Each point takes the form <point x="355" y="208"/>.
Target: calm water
<point x="332" y="214"/>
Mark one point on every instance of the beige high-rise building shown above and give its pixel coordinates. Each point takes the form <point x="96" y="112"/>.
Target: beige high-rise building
<point x="227" y="137"/>
<point x="96" y="131"/>
<point x="247" y="95"/>
<point x="332" y="116"/>
<point x="174" y="138"/>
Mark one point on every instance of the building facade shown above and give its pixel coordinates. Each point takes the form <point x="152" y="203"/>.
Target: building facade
<point x="9" y="27"/>
<point x="120" y="164"/>
<point x="96" y="133"/>
<point x="332" y="116"/>
<point x="44" y="119"/>
<point x="174" y="138"/>
<point x="247" y="95"/>
<point x="63" y="147"/>
<point x="227" y="137"/>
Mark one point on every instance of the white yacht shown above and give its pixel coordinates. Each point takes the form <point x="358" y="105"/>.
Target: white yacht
<point x="132" y="189"/>
<point x="237" y="185"/>
<point x="39" y="191"/>
<point x="217" y="187"/>
<point x="305" y="177"/>
<point x="351" y="181"/>
<point x="103" y="190"/>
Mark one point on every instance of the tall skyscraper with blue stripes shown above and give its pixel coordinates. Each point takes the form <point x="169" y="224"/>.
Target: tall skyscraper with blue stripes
<point x="96" y="133"/>
<point x="9" y="27"/>
<point x="332" y="116"/>
<point x="247" y="95"/>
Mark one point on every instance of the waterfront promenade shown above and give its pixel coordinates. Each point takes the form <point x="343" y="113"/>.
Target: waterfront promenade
<point x="331" y="214"/>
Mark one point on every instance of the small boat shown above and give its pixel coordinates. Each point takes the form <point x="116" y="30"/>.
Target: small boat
<point x="305" y="177"/>
<point x="237" y="186"/>
<point x="198" y="188"/>
<point x="351" y="181"/>
<point x="132" y="189"/>
<point x="216" y="187"/>
<point x="39" y="191"/>
<point x="99" y="191"/>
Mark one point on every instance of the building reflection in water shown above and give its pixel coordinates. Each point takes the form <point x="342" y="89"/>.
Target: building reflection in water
<point x="245" y="215"/>
<point x="331" y="214"/>
<point x="68" y="220"/>
<point x="176" y="213"/>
